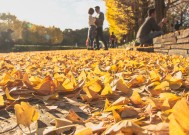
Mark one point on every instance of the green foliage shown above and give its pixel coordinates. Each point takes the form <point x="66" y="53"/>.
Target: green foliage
<point x="71" y="37"/>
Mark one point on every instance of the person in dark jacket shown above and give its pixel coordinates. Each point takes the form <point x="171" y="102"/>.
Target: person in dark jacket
<point x="150" y="29"/>
<point x="177" y="25"/>
<point x="99" y="29"/>
<point x="113" y="40"/>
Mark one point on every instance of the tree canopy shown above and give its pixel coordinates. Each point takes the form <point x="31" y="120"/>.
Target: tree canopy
<point x="126" y="16"/>
<point x="28" y="33"/>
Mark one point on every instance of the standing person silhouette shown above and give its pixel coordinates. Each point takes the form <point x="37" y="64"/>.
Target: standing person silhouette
<point x="92" y="30"/>
<point x="99" y="29"/>
<point x="113" y="40"/>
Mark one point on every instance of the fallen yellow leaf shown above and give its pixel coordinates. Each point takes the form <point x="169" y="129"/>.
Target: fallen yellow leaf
<point x="25" y="114"/>
<point x="2" y="101"/>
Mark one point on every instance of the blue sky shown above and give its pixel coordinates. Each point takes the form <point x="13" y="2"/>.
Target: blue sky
<point x="60" y="13"/>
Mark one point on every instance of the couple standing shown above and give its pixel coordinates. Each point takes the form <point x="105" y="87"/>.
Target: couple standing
<point x="96" y="28"/>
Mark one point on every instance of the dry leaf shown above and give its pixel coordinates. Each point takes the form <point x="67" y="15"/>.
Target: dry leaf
<point x="60" y="122"/>
<point x="126" y="127"/>
<point x="72" y="116"/>
<point x="2" y="101"/>
<point x="122" y="86"/>
<point x="107" y="90"/>
<point x="9" y="97"/>
<point x="25" y="114"/>
<point x="180" y="115"/>
<point x="85" y="131"/>
<point x="121" y="101"/>
<point x="154" y="76"/>
<point x="117" y="117"/>
<point x="136" y="99"/>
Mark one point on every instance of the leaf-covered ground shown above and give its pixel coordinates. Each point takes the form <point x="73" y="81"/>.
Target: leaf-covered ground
<point x="94" y="92"/>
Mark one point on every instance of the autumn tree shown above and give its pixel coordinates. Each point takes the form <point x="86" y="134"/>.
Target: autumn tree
<point x="126" y="16"/>
<point x="28" y="33"/>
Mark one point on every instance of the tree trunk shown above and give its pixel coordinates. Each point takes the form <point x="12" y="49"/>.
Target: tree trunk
<point x="144" y="10"/>
<point x="160" y="9"/>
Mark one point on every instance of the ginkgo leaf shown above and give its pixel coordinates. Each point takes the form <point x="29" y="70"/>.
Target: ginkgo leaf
<point x="2" y="102"/>
<point x="68" y="85"/>
<point x="169" y="96"/>
<point x="59" y="77"/>
<point x="60" y="122"/>
<point x="125" y="127"/>
<point x="113" y="68"/>
<point x="72" y="78"/>
<point x="98" y="71"/>
<point x="165" y="105"/>
<point x="25" y="114"/>
<point x="90" y="94"/>
<point x="181" y="115"/>
<point x="136" y="81"/>
<point x="136" y="99"/>
<point x="116" y="107"/>
<point x="85" y="131"/>
<point x="72" y="116"/>
<point x="107" y="78"/>
<point x="9" y="97"/>
<point x="5" y="80"/>
<point x="107" y="104"/>
<point x="121" y="101"/>
<point x="174" y="127"/>
<point x="154" y="76"/>
<point x="82" y="76"/>
<point x="27" y="81"/>
<point x="151" y="102"/>
<point x="107" y="90"/>
<point x="46" y="87"/>
<point x="175" y="81"/>
<point x="163" y="86"/>
<point x="95" y="86"/>
<point x="122" y="86"/>
<point x="35" y="80"/>
<point x="117" y="117"/>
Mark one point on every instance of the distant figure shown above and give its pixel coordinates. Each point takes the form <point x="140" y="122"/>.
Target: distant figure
<point x="92" y="29"/>
<point x="99" y="23"/>
<point x="113" y="40"/>
<point x="177" y="25"/>
<point x="150" y="29"/>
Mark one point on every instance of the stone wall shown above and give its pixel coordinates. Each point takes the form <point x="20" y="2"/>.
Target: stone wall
<point x="175" y="43"/>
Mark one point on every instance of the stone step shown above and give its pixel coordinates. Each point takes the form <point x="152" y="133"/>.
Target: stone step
<point x="183" y="40"/>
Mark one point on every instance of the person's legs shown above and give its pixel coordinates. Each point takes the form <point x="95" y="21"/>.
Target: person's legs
<point x="149" y="38"/>
<point x="156" y="34"/>
<point x="113" y="44"/>
<point x="92" y="36"/>
<point x="97" y="38"/>
<point x="102" y="37"/>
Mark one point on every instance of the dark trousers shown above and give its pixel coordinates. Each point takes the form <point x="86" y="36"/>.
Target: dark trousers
<point x="91" y="35"/>
<point x="148" y="39"/>
<point x="113" y="44"/>
<point x="100" y="36"/>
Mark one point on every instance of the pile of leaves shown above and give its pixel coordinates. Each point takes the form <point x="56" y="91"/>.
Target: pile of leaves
<point x="98" y="92"/>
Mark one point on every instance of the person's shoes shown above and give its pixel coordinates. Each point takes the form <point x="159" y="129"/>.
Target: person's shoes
<point x="90" y="48"/>
<point x="97" y="48"/>
<point x="105" y="48"/>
